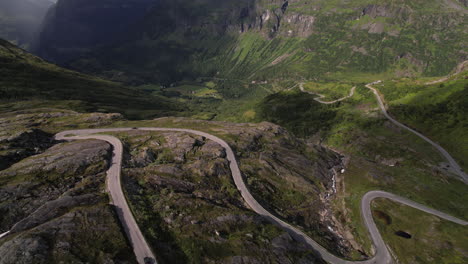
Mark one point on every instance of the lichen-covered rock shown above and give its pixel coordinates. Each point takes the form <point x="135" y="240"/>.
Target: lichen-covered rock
<point x="73" y="168"/>
<point x="28" y="250"/>
<point x="66" y="158"/>
<point x="56" y="210"/>
<point x="188" y="191"/>
<point x="22" y="143"/>
<point x="85" y="235"/>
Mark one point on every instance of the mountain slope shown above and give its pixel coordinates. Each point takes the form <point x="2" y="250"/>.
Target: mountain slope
<point x="258" y="39"/>
<point x="26" y="77"/>
<point x="439" y="110"/>
<point x="72" y="27"/>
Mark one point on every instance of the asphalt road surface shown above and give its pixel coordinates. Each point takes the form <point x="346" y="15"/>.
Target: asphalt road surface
<point x="4" y="234"/>
<point x="142" y="249"/>
<point x="454" y="165"/>
<point x="460" y="68"/>
<point x="320" y="96"/>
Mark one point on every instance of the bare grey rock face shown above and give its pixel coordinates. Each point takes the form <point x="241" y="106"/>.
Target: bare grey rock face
<point x="85" y="235"/>
<point x="31" y="183"/>
<point x="55" y="208"/>
<point x="29" y="250"/>
<point x="65" y="158"/>
<point x="53" y="204"/>
<point x="188" y="183"/>
<point x="21" y="135"/>
<point x="213" y="150"/>
<point x="144" y="157"/>
<point x="21" y="143"/>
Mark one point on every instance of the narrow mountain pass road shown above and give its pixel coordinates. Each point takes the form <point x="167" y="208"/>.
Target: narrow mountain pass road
<point x="4" y="234"/>
<point x="320" y="96"/>
<point x="453" y="164"/>
<point x="142" y="249"/>
<point x="460" y="68"/>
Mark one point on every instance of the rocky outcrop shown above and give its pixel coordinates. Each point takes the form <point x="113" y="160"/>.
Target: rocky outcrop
<point x="85" y="235"/>
<point x="30" y="184"/>
<point x="27" y="250"/>
<point x="21" y="144"/>
<point x="21" y="137"/>
<point x="65" y="159"/>
<point x="194" y="175"/>
<point x="55" y="208"/>
<point x="375" y="11"/>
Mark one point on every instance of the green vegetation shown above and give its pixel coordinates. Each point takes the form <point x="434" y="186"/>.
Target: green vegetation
<point x="332" y="41"/>
<point x="26" y="77"/>
<point x="298" y="112"/>
<point x="190" y="211"/>
<point x="246" y="77"/>
<point x="330" y="91"/>
<point x="433" y="240"/>
<point x="383" y="157"/>
<point x="440" y="111"/>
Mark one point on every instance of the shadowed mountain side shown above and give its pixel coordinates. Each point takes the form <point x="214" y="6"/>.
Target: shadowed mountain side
<point x="73" y="27"/>
<point x="260" y="39"/>
<point x="26" y="77"/>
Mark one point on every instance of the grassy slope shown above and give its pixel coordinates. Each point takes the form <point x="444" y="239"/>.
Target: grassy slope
<point x="439" y="111"/>
<point x="368" y="139"/>
<point x="356" y="128"/>
<point x="26" y="77"/>
<point x="433" y="240"/>
<point x="416" y="38"/>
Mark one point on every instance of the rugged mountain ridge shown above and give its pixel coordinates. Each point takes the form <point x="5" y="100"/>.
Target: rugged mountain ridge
<point x="259" y="39"/>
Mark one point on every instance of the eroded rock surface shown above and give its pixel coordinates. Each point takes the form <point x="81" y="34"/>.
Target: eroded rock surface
<point x="56" y="210"/>
<point x="183" y="182"/>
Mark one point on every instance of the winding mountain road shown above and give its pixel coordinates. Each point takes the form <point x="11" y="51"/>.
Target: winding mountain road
<point x="320" y="96"/>
<point x="460" y="68"/>
<point x="454" y="165"/>
<point x="4" y="234"/>
<point x="142" y="249"/>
